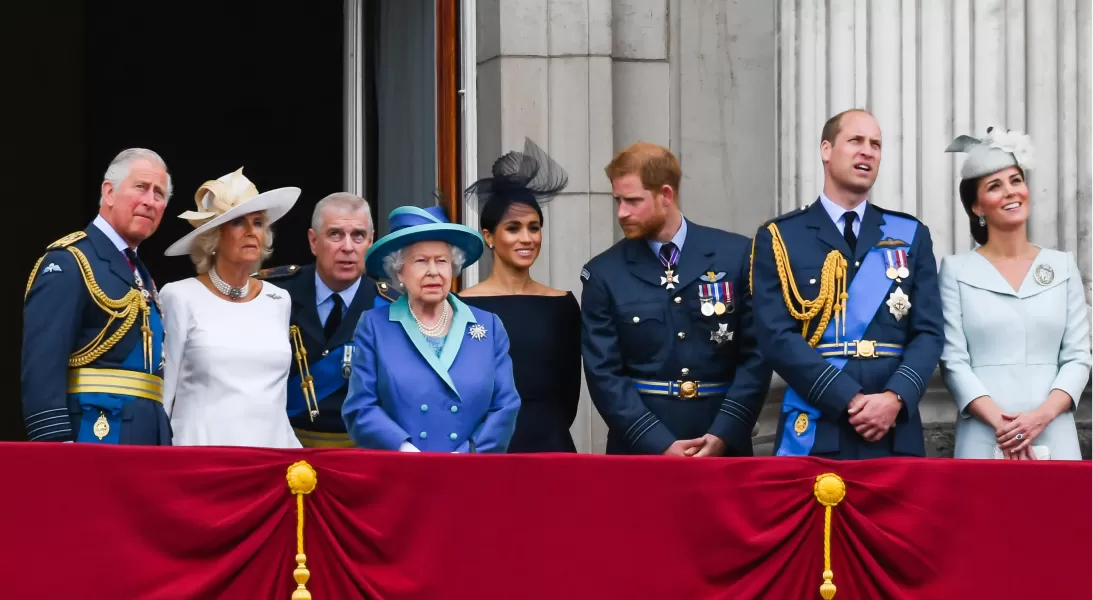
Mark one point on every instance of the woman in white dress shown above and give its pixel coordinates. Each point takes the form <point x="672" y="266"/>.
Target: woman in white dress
<point x="1017" y="347"/>
<point x="226" y="334"/>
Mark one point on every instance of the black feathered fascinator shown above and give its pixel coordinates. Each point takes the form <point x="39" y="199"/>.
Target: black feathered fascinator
<point x="530" y="177"/>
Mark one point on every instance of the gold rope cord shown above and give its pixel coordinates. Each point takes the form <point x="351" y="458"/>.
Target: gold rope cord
<point x="829" y="490"/>
<point x="307" y="384"/>
<point x="831" y="298"/>
<point x="302" y="480"/>
<point x="127" y="308"/>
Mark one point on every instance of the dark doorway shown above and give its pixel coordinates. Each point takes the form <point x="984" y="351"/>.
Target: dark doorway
<point x="209" y="86"/>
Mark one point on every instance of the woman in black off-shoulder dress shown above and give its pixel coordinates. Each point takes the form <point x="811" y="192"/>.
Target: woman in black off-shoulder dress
<point x="543" y="324"/>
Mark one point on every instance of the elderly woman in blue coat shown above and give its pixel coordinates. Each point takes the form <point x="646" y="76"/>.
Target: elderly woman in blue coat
<point x="443" y="380"/>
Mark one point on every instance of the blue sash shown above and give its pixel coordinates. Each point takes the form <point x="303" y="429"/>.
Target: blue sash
<point x="111" y="405"/>
<point x="865" y="296"/>
<point x="326" y="373"/>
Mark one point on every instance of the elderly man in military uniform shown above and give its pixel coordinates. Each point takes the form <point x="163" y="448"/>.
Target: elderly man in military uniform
<point x="92" y="330"/>
<point x="669" y="352"/>
<point x="327" y="300"/>
<point x="848" y="310"/>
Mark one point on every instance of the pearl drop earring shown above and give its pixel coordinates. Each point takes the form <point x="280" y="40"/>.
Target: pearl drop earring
<point x="982" y="221"/>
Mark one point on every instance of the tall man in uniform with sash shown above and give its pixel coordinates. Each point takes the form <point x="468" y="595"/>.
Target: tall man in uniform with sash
<point x="848" y="310"/>
<point x="327" y="300"/>
<point x="92" y="329"/>
<point x="669" y="350"/>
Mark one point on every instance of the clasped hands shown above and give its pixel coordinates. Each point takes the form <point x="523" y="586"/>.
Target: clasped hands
<point x="872" y="415"/>
<point x="707" y="445"/>
<point x="1028" y="424"/>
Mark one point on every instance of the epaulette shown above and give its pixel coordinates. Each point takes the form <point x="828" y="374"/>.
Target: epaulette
<point x="896" y="213"/>
<point x="788" y="214"/>
<point x="277" y="272"/>
<point x="387" y="291"/>
<point x="67" y="240"/>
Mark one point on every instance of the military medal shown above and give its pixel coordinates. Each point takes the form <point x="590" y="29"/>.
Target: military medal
<point x="101" y="428"/>
<point x="721" y="335"/>
<point x="722" y="294"/>
<point x="899" y="304"/>
<point x="801" y="424"/>
<point x="347" y="360"/>
<point x="890" y="271"/>
<point x="901" y="262"/>
<point x="705" y="297"/>
<point x="670" y="278"/>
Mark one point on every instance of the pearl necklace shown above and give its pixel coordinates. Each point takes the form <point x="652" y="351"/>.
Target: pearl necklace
<point x="437" y="329"/>
<point x="223" y="287"/>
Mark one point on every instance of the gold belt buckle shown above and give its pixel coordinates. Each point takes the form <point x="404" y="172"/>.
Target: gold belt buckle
<point x="688" y="389"/>
<point x="865" y="349"/>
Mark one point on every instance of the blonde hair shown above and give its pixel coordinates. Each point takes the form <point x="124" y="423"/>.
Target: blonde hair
<point x="654" y="164"/>
<point x="204" y="247"/>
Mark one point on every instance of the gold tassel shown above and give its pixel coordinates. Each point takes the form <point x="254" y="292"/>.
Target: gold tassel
<point x="302" y="480"/>
<point x="829" y="490"/>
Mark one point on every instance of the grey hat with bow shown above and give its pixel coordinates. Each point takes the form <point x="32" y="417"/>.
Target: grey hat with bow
<point x="998" y="150"/>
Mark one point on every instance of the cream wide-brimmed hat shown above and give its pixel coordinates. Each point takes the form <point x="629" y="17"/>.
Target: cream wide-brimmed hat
<point x="222" y="200"/>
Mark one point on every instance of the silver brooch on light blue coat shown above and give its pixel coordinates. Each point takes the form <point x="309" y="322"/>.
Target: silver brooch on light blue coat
<point x="1044" y="274"/>
<point x="477" y="331"/>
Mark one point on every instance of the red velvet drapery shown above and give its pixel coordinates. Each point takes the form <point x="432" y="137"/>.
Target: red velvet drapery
<point x="85" y="521"/>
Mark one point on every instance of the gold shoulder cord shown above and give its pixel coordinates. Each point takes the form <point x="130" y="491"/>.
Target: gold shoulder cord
<point x="127" y="308"/>
<point x="831" y="299"/>
<point x="307" y="384"/>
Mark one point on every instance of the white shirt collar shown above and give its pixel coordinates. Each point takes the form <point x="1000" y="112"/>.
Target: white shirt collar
<point x="323" y="293"/>
<point x="111" y="234"/>
<point x="836" y="212"/>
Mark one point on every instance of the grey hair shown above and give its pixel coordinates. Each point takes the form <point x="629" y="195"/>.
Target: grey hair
<point x="203" y="249"/>
<point x="393" y="262"/>
<point x="123" y="162"/>
<point x="342" y="203"/>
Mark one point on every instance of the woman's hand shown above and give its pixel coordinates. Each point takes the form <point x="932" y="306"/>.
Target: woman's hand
<point x="1020" y="429"/>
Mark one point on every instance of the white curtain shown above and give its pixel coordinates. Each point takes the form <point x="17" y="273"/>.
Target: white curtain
<point x="404" y="51"/>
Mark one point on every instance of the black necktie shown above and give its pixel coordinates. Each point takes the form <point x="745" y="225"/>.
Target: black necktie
<point x="335" y="318"/>
<point x="848" y="230"/>
<point x="668" y="255"/>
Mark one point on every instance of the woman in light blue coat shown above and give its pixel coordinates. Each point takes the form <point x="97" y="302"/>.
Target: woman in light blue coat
<point x="429" y="373"/>
<point x="1017" y="348"/>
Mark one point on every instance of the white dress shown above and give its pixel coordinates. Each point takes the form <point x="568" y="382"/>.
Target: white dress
<point x="1014" y="346"/>
<point x="225" y="373"/>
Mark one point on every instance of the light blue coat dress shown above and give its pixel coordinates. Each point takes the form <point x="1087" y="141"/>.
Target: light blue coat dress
<point x="401" y="390"/>
<point x="1015" y="347"/>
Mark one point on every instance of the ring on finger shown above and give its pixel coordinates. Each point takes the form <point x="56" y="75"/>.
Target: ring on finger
<point x="1019" y="437"/>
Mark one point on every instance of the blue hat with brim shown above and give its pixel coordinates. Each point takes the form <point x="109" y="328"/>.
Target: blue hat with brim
<point x="411" y="224"/>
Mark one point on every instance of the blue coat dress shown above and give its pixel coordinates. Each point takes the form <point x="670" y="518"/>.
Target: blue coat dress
<point x="407" y="393"/>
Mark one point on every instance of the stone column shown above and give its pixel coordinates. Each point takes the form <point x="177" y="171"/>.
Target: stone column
<point x="545" y="72"/>
<point x="929" y="71"/>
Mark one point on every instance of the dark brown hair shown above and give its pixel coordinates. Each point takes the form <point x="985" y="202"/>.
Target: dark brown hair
<point x="969" y="193"/>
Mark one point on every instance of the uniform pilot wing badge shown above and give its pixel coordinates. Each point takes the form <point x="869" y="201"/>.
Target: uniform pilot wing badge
<point x="899" y="304"/>
<point x="892" y="243"/>
<point x="712" y="277"/>
<point x="51" y="268"/>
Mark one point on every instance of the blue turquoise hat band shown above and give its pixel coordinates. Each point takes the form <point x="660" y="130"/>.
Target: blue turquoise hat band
<point x="411" y="224"/>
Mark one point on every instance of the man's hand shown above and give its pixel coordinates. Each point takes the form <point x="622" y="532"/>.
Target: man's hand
<point x="713" y="446"/>
<point x="874" y="414"/>
<point x="684" y="447"/>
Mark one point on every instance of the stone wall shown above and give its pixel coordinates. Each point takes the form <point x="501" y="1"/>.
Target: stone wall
<point x="739" y="89"/>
